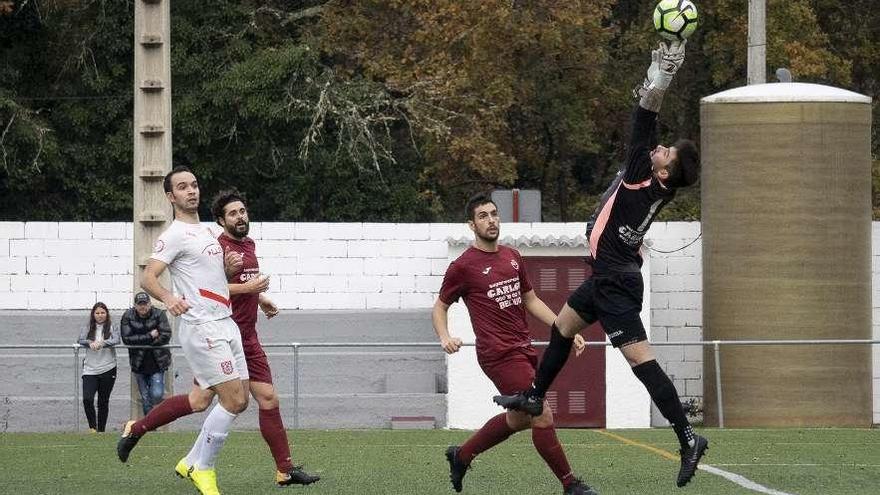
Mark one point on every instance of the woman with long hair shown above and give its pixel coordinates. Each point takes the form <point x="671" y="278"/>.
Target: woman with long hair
<point x="99" y="365"/>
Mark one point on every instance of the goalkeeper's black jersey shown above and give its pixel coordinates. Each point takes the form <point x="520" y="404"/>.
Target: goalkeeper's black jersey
<point x="629" y="206"/>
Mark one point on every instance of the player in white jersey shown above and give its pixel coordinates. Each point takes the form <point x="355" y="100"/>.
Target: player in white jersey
<point x="210" y="338"/>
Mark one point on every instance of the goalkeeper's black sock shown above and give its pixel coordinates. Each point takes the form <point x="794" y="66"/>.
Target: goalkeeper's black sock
<point x="554" y="359"/>
<point x="665" y="396"/>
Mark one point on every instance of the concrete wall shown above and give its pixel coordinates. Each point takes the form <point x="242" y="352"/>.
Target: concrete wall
<point x="37" y="389"/>
<point x="51" y="265"/>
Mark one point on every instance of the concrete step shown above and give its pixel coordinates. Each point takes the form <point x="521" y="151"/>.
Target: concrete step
<point x="324" y="411"/>
<point x="413" y="422"/>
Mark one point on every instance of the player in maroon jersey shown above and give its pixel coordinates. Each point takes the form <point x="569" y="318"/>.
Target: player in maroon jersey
<point x="492" y="281"/>
<point x="247" y="288"/>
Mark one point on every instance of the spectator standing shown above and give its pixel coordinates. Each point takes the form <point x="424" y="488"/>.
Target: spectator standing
<point x="145" y="325"/>
<point x="99" y="365"/>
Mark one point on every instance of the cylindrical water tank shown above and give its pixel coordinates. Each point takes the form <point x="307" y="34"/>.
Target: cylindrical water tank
<point x="786" y="217"/>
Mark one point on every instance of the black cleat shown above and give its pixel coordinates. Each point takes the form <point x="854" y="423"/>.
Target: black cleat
<point x="579" y="488"/>
<point x="532" y="406"/>
<point x="295" y="476"/>
<point x="690" y="458"/>
<point x="126" y="442"/>
<point x="457" y="469"/>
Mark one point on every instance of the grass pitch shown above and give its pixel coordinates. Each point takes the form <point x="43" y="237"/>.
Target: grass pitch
<point x="794" y="461"/>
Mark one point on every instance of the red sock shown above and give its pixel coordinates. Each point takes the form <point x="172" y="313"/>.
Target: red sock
<point x="550" y="449"/>
<point x="275" y="436"/>
<point x="167" y="411"/>
<point x="491" y="434"/>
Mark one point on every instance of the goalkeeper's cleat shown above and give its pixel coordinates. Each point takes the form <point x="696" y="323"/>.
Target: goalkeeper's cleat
<point x="295" y="476"/>
<point x="205" y="481"/>
<point x="690" y="458"/>
<point x="533" y="406"/>
<point x="457" y="468"/>
<point x="183" y="470"/>
<point x="577" y="487"/>
<point x="126" y="442"/>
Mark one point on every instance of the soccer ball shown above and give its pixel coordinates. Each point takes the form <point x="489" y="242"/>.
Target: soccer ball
<point x="675" y="19"/>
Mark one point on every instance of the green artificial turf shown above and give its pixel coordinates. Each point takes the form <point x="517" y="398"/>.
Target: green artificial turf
<point x="796" y="461"/>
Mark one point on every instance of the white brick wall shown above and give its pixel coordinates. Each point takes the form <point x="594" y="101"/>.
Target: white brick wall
<point x="70" y="265"/>
<point x="676" y="305"/>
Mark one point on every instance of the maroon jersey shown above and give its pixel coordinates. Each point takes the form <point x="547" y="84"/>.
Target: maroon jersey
<point x="492" y="286"/>
<point x="244" y="306"/>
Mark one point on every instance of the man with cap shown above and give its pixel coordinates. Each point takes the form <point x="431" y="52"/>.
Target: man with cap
<point x="144" y="325"/>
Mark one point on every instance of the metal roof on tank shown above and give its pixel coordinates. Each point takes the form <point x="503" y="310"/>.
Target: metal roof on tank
<point x="786" y="92"/>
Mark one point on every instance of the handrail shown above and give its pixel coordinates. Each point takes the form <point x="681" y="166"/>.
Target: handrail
<point x="538" y="343"/>
<point x="296" y="346"/>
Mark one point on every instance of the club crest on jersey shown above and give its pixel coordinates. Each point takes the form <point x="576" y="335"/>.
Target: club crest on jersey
<point x="226" y="367"/>
<point x="159" y="246"/>
<point x="514" y="264"/>
<point x="212" y="250"/>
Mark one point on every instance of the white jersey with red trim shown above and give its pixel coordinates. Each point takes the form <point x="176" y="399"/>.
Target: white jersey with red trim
<point x="195" y="260"/>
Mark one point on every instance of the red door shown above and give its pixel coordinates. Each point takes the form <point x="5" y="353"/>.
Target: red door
<point x="577" y="396"/>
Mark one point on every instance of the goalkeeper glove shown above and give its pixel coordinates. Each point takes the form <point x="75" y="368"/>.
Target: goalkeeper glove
<point x="671" y="58"/>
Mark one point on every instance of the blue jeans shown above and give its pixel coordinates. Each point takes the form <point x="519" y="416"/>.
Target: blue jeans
<point x="152" y="388"/>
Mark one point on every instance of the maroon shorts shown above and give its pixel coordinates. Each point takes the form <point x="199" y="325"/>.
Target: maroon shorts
<point x="512" y="372"/>
<point x="257" y="363"/>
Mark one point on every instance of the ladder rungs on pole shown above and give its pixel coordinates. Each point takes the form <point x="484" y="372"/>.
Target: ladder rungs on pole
<point x="152" y="217"/>
<point x="152" y="85"/>
<point x="152" y="129"/>
<point x="152" y="173"/>
<point x="151" y="39"/>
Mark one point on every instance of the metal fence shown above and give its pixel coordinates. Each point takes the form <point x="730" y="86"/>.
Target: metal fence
<point x="296" y="346"/>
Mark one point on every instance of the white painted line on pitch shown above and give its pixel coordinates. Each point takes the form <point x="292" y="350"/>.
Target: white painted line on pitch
<point x="759" y="464"/>
<point x="741" y="480"/>
<point x="733" y="477"/>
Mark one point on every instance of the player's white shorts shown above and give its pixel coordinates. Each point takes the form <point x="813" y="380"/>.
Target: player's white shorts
<point x="214" y="351"/>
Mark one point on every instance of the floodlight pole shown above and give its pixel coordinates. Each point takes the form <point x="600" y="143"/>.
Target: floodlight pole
<point x="757" y="56"/>
<point x="152" y="142"/>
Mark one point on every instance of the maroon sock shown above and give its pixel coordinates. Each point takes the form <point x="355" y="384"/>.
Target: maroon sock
<point x="550" y="449"/>
<point x="167" y="411"/>
<point x="275" y="436"/>
<point x="491" y="434"/>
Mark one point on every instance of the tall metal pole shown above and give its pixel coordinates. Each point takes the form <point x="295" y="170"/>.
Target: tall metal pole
<point x="296" y="368"/>
<point x="76" y="384"/>
<point x="152" y="139"/>
<point x="757" y="56"/>
<point x="718" y="384"/>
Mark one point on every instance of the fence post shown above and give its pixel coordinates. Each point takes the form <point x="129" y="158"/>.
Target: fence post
<point x="295" y="386"/>
<point x="76" y="400"/>
<point x="718" y="384"/>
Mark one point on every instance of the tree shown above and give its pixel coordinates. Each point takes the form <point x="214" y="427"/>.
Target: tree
<point x="501" y="94"/>
<point x="65" y="108"/>
<point x="380" y="109"/>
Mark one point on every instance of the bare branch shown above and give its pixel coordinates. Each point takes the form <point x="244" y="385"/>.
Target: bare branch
<point x="41" y="131"/>
<point x="290" y="17"/>
<point x="3" y="138"/>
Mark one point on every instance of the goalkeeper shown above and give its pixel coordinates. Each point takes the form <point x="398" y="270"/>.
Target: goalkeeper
<point x="613" y="294"/>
